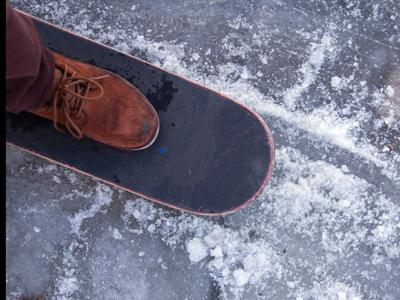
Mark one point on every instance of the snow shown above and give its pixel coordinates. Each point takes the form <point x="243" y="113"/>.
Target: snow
<point x="389" y="91"/>
<point x="116" y="234"/>
<point x="49" y="168"/>
<point x="328" y="224"/>
<point x="336" y="82"/>
<point x="333" y="291"/>
<point x="72" y="177"/>
<point x="226" y="248"/>
<point x="196" y="249"/>
<point x="102" y="200"/>
<point x="241" y="277"/>
<point x="195" y="56"/>
<point x="56" y="179"/>
<point x="151" y="228"/>
<point x="310" y="69"/>
<point x="216" y="252"/>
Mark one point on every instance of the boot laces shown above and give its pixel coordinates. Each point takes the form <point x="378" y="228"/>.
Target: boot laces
<point x="70" y="97"/>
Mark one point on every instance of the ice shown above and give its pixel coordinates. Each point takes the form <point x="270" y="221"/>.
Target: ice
<point x="226" y="247"/>
<point x="196" y="249"/>
<point x="72" y="177"/>
<point x="49" y="168"/>
<point x="309" y="70"/>
<point x="195" y="56"/>
<point x="241" y="277"/>
<point x="97" y="256"/>
<point x="56" y="179"/>
<point x="333" y="291"/>
<point x="213" y="238"/>
<point x="389" y="91"/>
<point x="102" y="200"/>
<point x="327" y="226"/>
<point x="216" y="252"/>
<point x="336" y="82"/>
<point x="151" y="228"/>
<point x="116" y="234"/>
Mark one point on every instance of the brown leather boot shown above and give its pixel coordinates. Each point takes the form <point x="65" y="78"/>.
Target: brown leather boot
<point x="89" y="101"/>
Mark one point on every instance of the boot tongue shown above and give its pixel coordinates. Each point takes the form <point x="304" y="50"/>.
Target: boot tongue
<point x="55" y="85"/>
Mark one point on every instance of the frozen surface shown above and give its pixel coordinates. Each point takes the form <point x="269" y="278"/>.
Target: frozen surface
<point x="325" y="76"/>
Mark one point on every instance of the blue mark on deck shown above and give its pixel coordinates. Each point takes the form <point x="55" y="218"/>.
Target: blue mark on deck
<point x="163" y="150"/>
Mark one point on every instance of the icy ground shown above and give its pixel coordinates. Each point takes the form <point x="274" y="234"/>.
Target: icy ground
<point x="328" y="224"/>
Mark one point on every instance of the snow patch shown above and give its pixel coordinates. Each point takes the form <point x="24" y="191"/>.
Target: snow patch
<point x="310" y="69"/>
<point x="116" y="234"/>
<point x="241" y="277"/>
<point x="196" y="249"/>
<point x="389" y="91"/>
<point x="102" y="200"/>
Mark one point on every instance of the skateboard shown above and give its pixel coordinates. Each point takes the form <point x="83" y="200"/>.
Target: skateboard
<point x="213" y="155"/>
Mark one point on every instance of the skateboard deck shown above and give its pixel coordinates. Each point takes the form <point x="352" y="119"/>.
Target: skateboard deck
<point x="213" y="155"/>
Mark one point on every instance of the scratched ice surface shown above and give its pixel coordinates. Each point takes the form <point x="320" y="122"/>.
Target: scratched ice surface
<point x="325" y="76"/>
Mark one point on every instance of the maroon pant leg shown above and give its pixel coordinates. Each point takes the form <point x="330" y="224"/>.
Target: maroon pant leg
<point x="29" y="64"/>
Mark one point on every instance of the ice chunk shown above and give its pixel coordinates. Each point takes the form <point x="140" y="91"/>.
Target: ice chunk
<point x="336" y="82"/>
<point x="389" y="91"/>
<point x="116" y="234"/>
<point x="216" y="252"/>
<point x="197" y="250"/>
<point x="241" y="277"/>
